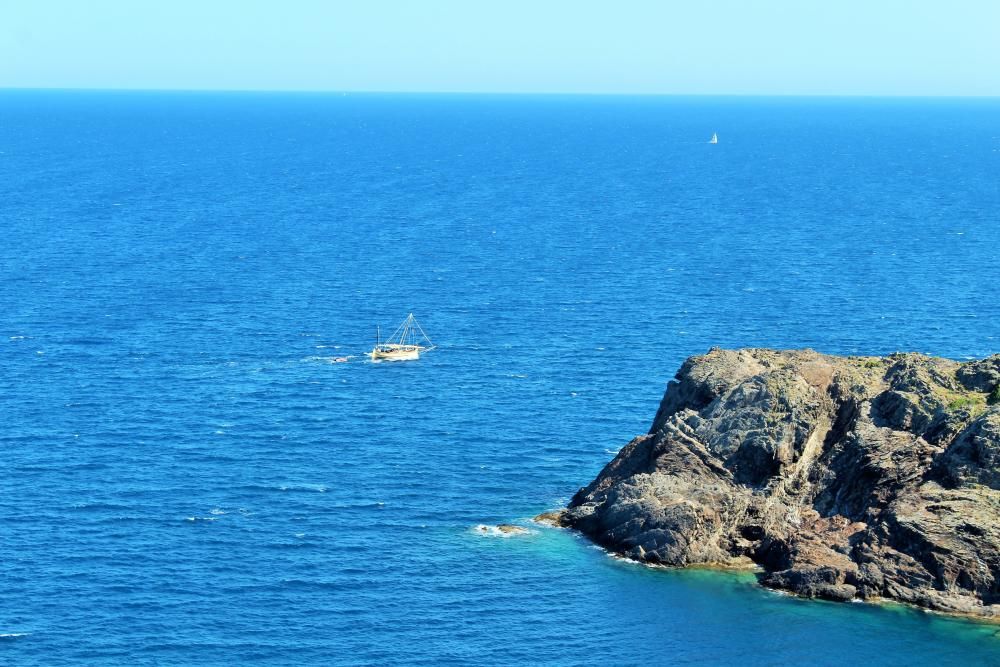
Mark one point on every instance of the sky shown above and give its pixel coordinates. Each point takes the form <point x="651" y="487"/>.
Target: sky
<point x="757" y="47"/>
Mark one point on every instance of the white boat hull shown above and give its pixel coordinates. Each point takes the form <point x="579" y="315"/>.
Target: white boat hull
<point x="394" y="355"/>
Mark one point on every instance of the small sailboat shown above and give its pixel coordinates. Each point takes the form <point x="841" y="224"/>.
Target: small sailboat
<point x="405" y="344"/>
<point x="714" y="139"/>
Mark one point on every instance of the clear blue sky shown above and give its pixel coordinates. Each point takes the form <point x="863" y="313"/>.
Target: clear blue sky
<point x="861" y="47"/>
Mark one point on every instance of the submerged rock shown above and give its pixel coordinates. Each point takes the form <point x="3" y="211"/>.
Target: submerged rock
<point x="843" y="477"/>
<point x="508" y="529"/>
<point x="502" y="530"/>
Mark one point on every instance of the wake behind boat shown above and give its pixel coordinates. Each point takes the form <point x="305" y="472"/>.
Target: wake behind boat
<point x="405" y="344"/>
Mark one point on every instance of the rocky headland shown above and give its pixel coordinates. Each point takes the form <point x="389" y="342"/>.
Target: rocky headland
<point x="841" y="477"/>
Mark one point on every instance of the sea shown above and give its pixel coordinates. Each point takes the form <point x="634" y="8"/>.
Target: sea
<point x="189" y="477"/>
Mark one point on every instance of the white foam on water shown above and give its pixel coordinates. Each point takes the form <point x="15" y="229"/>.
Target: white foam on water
<point x="217" y="511"/>
<point x="319" y="488"/>
<point x="14" y="635"/>
<point x="628" y="561"/>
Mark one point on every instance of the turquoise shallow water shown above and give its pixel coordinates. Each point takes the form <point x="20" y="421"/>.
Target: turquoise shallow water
<point x="189" y="480"/>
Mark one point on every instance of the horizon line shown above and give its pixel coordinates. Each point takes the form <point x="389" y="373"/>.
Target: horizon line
<point x="483" y="93"/>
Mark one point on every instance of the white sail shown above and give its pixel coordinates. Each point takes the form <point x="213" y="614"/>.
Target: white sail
<point x="714" y="139"/>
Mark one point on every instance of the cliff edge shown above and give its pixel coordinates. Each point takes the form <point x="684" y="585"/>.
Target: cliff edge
<point x="842" y="477"/>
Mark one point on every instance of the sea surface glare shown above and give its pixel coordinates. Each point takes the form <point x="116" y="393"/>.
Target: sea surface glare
<point x="187" y="478"/>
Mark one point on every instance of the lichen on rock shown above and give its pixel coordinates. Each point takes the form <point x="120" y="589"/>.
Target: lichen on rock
<point x="842" y="477"/>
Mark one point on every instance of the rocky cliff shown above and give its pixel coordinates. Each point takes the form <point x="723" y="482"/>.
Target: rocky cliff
<point x="842" y="477"/>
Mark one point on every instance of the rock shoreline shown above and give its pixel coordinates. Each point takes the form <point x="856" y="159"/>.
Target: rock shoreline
<point x="841" y="477"/>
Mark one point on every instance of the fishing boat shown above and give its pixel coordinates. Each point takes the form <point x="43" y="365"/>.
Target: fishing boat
<point x="714" y="139"/>
<point x="405" y="344"/>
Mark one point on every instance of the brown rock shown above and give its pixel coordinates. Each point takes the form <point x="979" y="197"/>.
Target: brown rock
<point x="552" y="518"/>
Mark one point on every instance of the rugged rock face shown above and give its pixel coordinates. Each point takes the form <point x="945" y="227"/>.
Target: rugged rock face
<point x="843" y="477"/>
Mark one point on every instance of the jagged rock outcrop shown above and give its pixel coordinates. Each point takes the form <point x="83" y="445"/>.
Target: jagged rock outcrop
<point x="843" y="477"/>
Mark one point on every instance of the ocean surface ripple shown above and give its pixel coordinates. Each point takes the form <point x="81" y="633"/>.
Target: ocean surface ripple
<point x="189" y="479"/>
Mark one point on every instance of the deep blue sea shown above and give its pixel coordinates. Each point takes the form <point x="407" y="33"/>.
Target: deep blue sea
<point x="187" y="478"/>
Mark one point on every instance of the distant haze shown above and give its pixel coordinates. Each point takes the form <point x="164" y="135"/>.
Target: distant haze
<point x="797" y="47"/>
